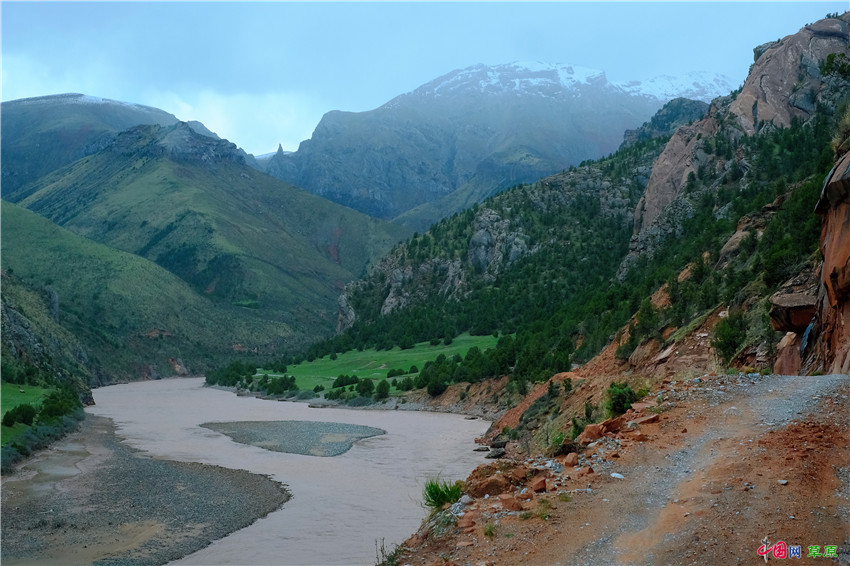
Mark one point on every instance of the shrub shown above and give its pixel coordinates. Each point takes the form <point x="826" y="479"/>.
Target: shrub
<point x="729" y="335"/>
<point x="365" y="387"/>
<point x="619" y="399"/>
<point x="437" y="493"/>
<point x="383" y="390"/>
<point x="359" y="402"/>
<point x="24" y="413"/>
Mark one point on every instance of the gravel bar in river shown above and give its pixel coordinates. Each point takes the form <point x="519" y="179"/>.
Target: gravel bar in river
<point x="92" y="499"/>
<point x="310" y="438"/>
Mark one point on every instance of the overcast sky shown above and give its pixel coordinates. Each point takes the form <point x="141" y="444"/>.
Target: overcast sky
<point x="262" y="74"/>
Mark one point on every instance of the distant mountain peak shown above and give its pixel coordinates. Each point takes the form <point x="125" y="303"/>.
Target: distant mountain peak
<point x="558" y="80"/>
<point x="77" y="98"/>
<point x="517" y="77"/>
<point x="696" y="85"/>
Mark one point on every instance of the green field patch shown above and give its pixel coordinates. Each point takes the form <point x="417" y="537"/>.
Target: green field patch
<point x="374" y="364"/>
<point x="11" y="396"/>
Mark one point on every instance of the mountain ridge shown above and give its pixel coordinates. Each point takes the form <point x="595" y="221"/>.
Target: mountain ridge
<point x="449" y="144"/>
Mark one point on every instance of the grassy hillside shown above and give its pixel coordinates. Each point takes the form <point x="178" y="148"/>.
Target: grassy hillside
<point x="134" y="318"/>
<point x="235" y="236"/>
<point x="63" y="128"/>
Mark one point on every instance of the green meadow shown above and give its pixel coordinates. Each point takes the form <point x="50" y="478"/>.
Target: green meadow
<point x="11" y="397"/>
<point x="375" y="364"/>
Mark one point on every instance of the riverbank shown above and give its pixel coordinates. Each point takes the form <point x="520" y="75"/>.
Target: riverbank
<point x="92" y="499"/>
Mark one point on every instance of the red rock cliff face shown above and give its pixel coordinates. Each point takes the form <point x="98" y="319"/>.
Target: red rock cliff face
<point x="784" y="82"/>
<point x="772" y="91"/>
<point x="832" y="330"/>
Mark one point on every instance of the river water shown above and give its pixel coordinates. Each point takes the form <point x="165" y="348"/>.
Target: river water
<point x="340" y="505"/>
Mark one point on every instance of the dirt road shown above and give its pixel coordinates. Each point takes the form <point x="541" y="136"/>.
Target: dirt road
<point x="731" y="460"/>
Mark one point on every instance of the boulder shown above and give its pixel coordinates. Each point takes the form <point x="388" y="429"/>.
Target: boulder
<point x="496" y="453"/>
<point x="538" y="484"/>
<point x="509" y="502"/>
<point x="520" y="474"/>
<point x="649" y="419"/>
<point x="492" y="485"/>
<point x="591" y="432"/>
<point x="788" y="360"/>
<point x="792" y="312"/>
<point x="569" y="460"/>
<point x="587" y="470"/>
<point x="614" y="424"/>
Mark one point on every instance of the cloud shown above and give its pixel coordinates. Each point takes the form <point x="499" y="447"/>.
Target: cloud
<point x="25" y="77"/>
<point x="255" y="122"/>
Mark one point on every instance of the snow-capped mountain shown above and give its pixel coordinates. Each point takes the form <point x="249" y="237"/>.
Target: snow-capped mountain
<point x="549" y="80"/>
<point x="697" y="85"/>
<point x="473" y="132"/>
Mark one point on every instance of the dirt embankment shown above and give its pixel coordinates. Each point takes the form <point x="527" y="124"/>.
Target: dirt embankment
<point x="730" y="461"/>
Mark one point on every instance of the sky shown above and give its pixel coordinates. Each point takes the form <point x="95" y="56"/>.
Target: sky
<point x="263" y="74"/>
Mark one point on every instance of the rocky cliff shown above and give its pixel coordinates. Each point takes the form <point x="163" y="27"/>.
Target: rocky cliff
<point x="831" y="331"/>
<point x="785" y="82"/>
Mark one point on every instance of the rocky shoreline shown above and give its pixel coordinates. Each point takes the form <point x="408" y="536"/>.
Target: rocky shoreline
<point x="91" y="499"/>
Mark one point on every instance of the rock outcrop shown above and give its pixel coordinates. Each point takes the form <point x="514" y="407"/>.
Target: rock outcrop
<point x="785" y="82"/>
<point x="774" y="94"/>
<point x="676" y="113"/>
<point x="831" y="332"/>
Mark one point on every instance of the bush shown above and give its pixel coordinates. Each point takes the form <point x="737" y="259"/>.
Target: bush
<point x="24" y="413"/>
<point x="359" y="402"/>
<point x="619" y="399"/>
<point x="437" y="493"/>
<point x="383" y="390"/>
<point x="365" y="387"/>
<point x="729" y="335"/>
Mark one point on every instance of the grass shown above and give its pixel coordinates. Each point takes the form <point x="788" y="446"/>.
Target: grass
<point x="437" y="493"/>
<point x="375" y="364"/>
<point x="126" y="307"/>
<point x="690" y="327"/>
<point x="11" y="397"/>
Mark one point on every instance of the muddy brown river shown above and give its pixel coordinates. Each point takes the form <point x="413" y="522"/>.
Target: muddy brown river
<point x="340" y="504"/>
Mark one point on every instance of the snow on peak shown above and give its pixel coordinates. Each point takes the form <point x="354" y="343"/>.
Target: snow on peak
<point x="518" y="77"/>
<point x="560" y="81"/>
<point x="698" y="85"/>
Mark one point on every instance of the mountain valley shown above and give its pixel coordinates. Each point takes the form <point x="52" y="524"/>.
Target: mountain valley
<point x="661" y="267"/>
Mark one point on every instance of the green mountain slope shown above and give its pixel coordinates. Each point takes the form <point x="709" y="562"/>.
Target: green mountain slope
<point x="43" y="134"/>
<point x="556" y="261"/>
<point x="134" y="318"/>
<point x="234" y="235"/>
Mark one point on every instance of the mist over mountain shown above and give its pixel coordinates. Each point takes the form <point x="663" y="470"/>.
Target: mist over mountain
<point x="472" y="133"/>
